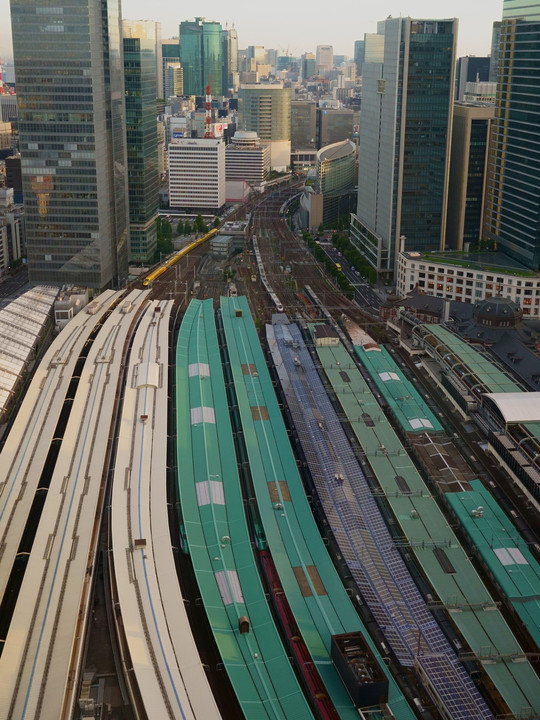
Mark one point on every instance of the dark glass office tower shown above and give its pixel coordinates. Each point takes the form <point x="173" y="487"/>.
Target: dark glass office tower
<point x="201" y="56"/>
<point x="142" y="146"/>
<point x="407" y="95"/>
<point x="70" y="91"/>
<point x="513" y="202"/>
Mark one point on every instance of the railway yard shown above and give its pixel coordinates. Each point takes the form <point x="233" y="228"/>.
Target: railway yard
<point x="227" y="494"/>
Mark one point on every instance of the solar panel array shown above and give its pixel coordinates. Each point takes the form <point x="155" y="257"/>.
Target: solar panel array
<point x="361" y="533"/>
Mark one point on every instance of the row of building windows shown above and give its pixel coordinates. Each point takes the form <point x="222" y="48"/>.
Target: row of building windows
<point x="479" y="276"/>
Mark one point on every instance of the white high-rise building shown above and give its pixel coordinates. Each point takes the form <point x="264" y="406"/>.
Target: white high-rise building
<point x="247" y="159"/>
<point x="325" y="58"/>
<point x="197" y="173"/>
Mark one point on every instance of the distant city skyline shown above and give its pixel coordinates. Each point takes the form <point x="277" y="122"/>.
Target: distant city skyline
<point x="287" y="27"/>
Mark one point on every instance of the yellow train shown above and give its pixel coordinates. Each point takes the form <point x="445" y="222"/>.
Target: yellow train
<point x="176" y="257"/>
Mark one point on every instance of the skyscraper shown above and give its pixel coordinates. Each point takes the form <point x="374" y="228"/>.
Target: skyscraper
<point x="140" y="72"/>
<point x="359" y="46"/>
<point x="405" y="140"/>
<point x="148" y="30"/>
<point x="513" y="202"/>
<point x="70" y="83"/>
<point x="325" y="58"/>
<point x="201" y="56"/>
<point x="170" y="56"/>
<point x="494" y="55"/>
<point x="266" y="110"/>
<point x="468" y="162"/>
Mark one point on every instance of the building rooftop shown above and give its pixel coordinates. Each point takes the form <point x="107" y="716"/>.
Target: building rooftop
<point x="494" y="261"/>
<point x="336" y="151"/>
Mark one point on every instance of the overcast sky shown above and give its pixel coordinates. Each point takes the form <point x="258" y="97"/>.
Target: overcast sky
<point x="300" y="26"/>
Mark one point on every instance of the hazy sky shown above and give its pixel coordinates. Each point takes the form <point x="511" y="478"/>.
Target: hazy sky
<point x="301" y="26"/>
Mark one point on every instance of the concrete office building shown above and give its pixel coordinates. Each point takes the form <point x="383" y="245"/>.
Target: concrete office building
<point x="8" y="107"/>
<point x="470" y="69"/>
<point x="513" y="201"/>
<point x="335" y="125"/>
<point x="469" y="278"/>
<point x="484" y="92"/>
<point x="11" y="230"/>
<point x="325" y="59"/>
<point x="170" y="55"/>
<point x="142" y="140"/>
<point x="308" y="65"/>
<point x="197" y="174"/>
<point x="246" y="159"/>
<point x="266" y="110"/>
<point x="72" y="140"/>
<point x="405" y="141"/>
<point x="468" y="173"/>
<point x="303" y="124"/>
<point x="173" y="80"/>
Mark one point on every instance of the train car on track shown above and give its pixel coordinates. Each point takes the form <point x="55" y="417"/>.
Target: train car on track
<point x="176" y="257"/>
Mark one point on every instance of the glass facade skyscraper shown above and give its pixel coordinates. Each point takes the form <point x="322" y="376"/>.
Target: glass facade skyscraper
<point x="70" y="92"/>
<point x="513" y="201"/>
<point x="201" y="56"/>
<point x="405" y="140"/>
<point x="142" y="146"/>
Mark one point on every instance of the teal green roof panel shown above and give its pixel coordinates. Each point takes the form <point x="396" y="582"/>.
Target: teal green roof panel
<point x="503" y="550"/>
<point x="425" y="528"/>
<point x="318" y="600"/>
<point x="213" y="514"/>
<point x="406" y="403"/>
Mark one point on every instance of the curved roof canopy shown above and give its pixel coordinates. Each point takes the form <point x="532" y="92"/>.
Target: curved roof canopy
<point x="516" y="407"/>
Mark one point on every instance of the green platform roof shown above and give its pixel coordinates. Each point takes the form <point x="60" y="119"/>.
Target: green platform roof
<point x="503" y="550"/>
<point x="315" y="593"/>
<point x="491" y="377"/>
<point x="487" y="373"/>
<point x="424" y="528"/>
<point x="213" y="513"/>
<point x="406" y="403"/>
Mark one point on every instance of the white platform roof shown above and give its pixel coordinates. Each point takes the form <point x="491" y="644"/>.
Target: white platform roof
<point x="517" y="407"/>
<point x="21" y="322"/>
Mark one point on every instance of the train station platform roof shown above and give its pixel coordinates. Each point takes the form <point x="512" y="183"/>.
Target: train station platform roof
<point x="503" y="550"/>
<point x="406" y="403"/>
<point x="21" y="323"/>
<point x="516" y="407"/>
